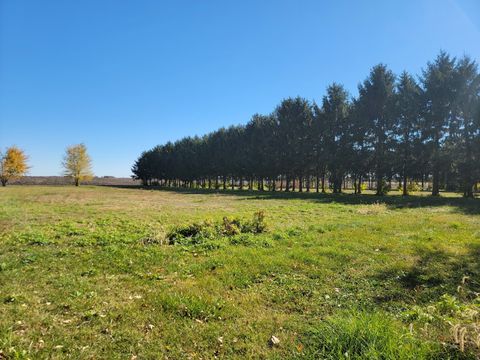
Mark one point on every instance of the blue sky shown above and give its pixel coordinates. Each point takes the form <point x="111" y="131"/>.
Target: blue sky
<point x="123" y="76"/>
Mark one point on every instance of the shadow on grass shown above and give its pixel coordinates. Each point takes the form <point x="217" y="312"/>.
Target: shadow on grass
<point x="460" y="204"/>
<point x="434" y="273"/>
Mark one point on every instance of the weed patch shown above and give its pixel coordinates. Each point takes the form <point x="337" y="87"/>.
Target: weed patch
<point x="198" y="233"/>
<point x="460" y="320"/>
<point x="33" y="237"/>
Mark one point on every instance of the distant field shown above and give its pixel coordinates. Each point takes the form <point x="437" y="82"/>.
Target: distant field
<point x="61" y="180"/>
<point x="88" y="273"/>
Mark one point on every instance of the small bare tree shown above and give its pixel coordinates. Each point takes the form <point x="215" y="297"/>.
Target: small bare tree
<point x="77" y="163"/>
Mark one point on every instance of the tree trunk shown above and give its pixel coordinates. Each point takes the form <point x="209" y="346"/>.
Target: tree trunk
<point x="436" y="170"/>
<point x="468" y="192"/>
<point x="469" y="182"/>
<point x="379" y="184"/>
<point x="338" y="184"/>
<point x="436" y="183"/>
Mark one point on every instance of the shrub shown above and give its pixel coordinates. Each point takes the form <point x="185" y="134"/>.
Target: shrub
<point x="231" y="226"/>
<point x="412" y="186"/>
<point x="197" y="233"/>
<point x="384" y="188"/>
<point x="258" y="224"/>
<point x="192" y="234"/>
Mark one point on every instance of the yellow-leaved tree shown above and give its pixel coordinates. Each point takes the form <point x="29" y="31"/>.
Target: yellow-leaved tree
<point x="77" y="163"/>
<point x="13" y="164"/>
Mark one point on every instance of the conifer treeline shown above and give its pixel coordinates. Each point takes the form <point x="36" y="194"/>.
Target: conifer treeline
<point x="397" y="128"/>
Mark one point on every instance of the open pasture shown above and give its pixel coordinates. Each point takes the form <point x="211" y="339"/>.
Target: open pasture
<point x="89" y="273"/>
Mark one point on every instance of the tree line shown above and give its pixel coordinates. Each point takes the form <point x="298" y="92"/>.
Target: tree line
<point x="399" y="128"/>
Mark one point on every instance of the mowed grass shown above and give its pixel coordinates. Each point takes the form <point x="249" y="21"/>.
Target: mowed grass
<point x="87" y="273"/>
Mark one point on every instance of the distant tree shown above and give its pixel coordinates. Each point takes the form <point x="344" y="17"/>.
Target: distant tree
<point x="320" y="153"/>
<point x="361" y="154"/>
<point x="407" y="130"/>
<point x="261" y="151"/>
<point x="13" y="165"/>
<point x="236" y="153"/>
<point x="438" y="82"/>
<point x="77" y="163"/>
<point x="294" y="117"/>
<point x="465" y="124"/>
<point x="377" y="96"/>
<point x="140" y="168"/>
<point x="337" y="139"/>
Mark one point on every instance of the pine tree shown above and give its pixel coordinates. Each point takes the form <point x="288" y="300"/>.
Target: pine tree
<point x="377" y="96"/>
<point x="438" y="97"/>
<point x="407" y="128"/>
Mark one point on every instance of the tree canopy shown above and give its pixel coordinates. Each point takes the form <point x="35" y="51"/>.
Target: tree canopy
<point x="13" y="164"/>
<point x="77" y="163"/>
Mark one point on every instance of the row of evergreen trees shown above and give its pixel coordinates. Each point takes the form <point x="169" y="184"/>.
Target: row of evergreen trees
<point x="398" y="128"/>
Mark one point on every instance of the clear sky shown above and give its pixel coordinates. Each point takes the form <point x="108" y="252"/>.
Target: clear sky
<point x="123" y="76"/>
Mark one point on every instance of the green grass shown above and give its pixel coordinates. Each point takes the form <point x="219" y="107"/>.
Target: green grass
<point x="89" y="273"/>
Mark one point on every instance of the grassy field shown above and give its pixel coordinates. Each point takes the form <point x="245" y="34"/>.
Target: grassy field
<point x="89" y="273"/>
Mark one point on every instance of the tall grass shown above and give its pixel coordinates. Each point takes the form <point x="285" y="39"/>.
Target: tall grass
<point x="374" y="336"/>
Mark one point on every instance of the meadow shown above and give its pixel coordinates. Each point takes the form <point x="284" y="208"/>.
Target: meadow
<point x="92" y="272"/>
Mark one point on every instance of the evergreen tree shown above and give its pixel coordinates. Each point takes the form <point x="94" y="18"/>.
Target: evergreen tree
<point x="407" y="128"/>
<point x="337" y="137"/>
<point x="438" y="97"/>
<point x="466" y="125"/>
<point x="377" y="96"/>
